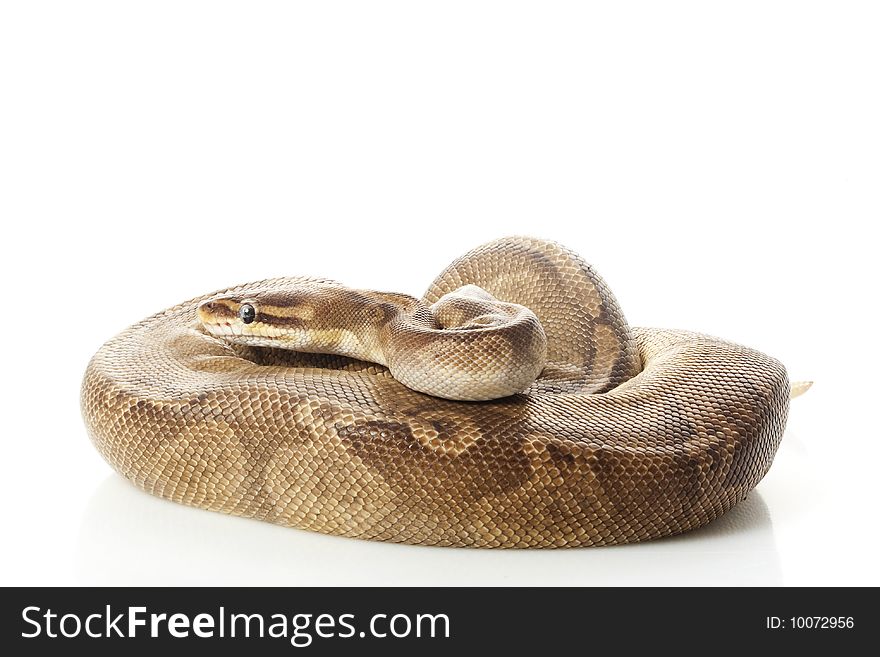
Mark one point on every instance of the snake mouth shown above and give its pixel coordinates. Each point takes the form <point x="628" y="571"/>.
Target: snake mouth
<point x="221" y="330"/>
<point x="237" y="334"/>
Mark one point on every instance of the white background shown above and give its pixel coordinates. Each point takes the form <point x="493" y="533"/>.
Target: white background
<point x="717" y="162"/>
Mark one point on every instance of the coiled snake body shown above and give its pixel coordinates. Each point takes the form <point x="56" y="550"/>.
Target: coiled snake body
<point x="625" y="434"/>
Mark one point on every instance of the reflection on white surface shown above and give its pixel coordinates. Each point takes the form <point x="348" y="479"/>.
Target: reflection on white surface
<point x="129" y="536"/>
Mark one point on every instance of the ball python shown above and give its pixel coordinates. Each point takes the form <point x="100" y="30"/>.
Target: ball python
<point x="512" y="406"/>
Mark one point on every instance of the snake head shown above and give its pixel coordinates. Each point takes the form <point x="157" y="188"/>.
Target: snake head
<point x="255" y="320"/>
<point x="306" y="315"/>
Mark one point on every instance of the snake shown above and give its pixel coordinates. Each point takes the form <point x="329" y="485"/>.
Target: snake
<point x="512" y="406"/>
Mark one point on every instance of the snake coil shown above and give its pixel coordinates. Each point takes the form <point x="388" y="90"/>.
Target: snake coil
<point x="625" y="435"/>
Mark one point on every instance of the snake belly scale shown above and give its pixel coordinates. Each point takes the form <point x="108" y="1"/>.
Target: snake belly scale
<point x="620" y="434"/>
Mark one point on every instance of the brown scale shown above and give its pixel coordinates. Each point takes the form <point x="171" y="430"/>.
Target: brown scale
<point x="627" y="434"/>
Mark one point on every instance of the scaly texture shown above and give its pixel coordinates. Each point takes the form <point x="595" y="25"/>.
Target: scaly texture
<point x="657" y="434"/>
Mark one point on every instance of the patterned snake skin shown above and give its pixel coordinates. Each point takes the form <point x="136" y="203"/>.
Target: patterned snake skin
<point x="627" y="435"/>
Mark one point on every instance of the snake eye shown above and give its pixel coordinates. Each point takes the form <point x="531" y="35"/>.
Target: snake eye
<point x="247" y="313"/>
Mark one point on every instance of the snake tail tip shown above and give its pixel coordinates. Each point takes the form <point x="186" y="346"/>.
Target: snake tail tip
<point x="799" y="387"/>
